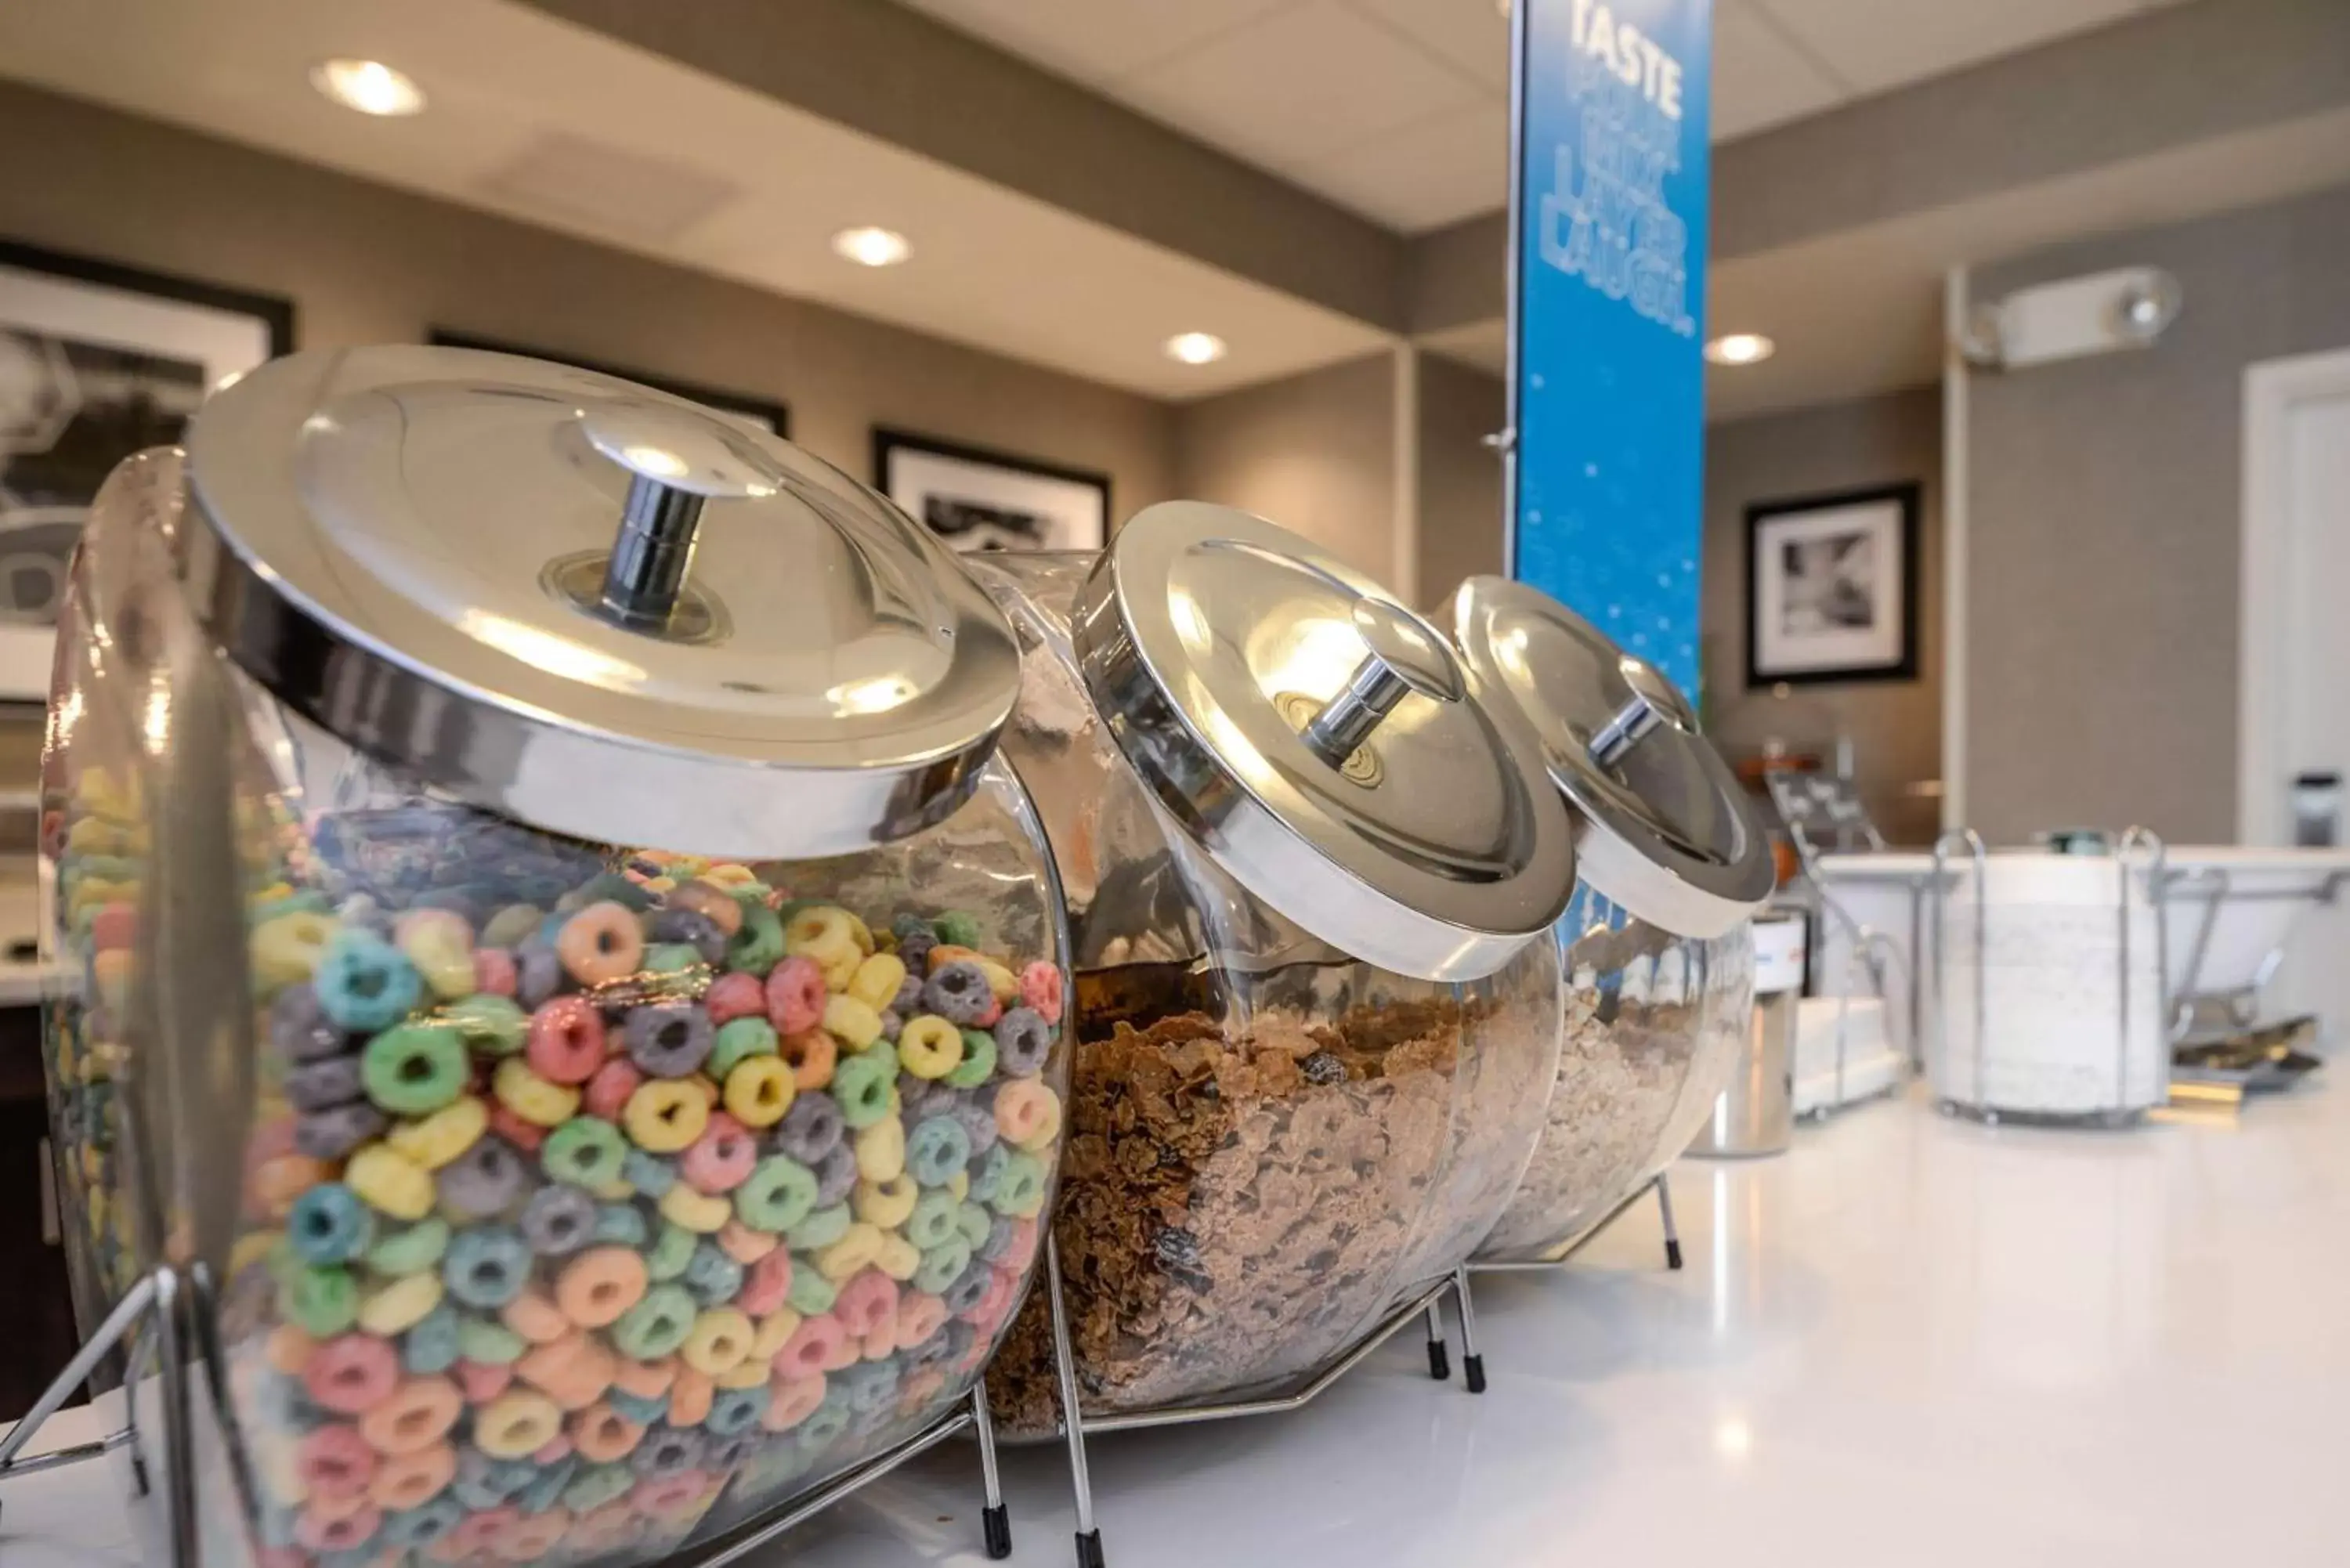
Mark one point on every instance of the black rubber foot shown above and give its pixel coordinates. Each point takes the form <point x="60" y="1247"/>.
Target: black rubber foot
<point x="1472" y="1371"/>
<point x="1674" y="1254"/>
<point x="996" y="1523"/>
<point x="1440" y="1360"/>
<point x="1090" y="1548"/>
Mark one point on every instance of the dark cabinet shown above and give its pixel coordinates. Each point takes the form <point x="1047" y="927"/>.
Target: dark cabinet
<point x="36" y="1323"/>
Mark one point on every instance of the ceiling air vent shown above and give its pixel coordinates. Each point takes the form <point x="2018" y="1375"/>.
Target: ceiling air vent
<point x="590" y="184"/>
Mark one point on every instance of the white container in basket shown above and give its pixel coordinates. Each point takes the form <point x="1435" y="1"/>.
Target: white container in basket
<point x="2049" y="1004"/>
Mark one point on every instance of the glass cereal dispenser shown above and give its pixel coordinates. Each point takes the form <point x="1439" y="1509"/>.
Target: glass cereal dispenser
<point x="583" y="995"/>
<point x="1306" y="875"/>
<point x="1656" y="946"/>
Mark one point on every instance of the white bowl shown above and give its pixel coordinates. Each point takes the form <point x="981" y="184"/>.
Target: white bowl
<point x="2265" y="893"/>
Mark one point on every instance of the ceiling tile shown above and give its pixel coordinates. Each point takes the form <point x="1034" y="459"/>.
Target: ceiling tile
<point x="1759" y="78"/>
<point x="1294" y="87"/>
<point x="1093" y="41"/>
<point x="1879" y="44"/>
<point x="1427" y="174"/>
<point x="1472" y="35"/>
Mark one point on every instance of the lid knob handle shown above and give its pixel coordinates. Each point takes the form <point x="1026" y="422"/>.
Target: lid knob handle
<point x="1405" y="654"/>
<point x="677" y="458"/>
<point x="647" y="570"/>
<point x="1651" y="701"/>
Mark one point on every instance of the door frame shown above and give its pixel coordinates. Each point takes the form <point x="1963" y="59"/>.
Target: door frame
<point x="2272" y="389"/>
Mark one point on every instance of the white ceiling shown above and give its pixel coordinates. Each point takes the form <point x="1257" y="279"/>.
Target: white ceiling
<point x="532" y="119"/>
<point x="1398" y="108"/>
<point x="559" y="126"/>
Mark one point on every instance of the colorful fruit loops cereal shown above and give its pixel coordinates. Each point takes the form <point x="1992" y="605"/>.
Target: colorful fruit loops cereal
<point x="572" y="1216"/>
<point x="99" y="843"/>
<point x="94" y="834"/>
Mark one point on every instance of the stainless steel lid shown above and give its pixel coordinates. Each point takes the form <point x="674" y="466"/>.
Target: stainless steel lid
<point x="595" y="608"/>
<point x="1319" y="741"/>
<point x="1663" y="827"/>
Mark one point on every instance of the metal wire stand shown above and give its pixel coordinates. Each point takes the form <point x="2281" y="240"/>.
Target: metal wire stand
<point x="1077" y="1427"/>
<point x="158" y="1313"/>
<point x="2212" y="885"/>
<point x="1656" y="1184"/>
<point x="1875" y="950"/>
<point x="165" y="1310"/>
<point x="971" y="1417"/>
<point x="1473" y="1363"/>
<point x="1865" y="938"/>
<point x="2121" y="1113"/>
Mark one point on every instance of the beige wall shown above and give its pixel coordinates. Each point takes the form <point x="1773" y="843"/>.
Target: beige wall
<point x="366" y="264"/>
<point x="1315" y="453"/>
<point x="2103" y="531"/>
<point x="1895" y="727"/>
<point x="1460" y="511"/>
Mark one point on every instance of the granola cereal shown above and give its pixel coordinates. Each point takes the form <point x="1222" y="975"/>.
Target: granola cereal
<point x="1619" y="1078"/>
<point x="1239" y="1203"/>
<point x="1724" y="1004"/>
<point x="1651" y="1027"/>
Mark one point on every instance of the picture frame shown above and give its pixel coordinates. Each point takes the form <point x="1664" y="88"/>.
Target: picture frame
<point x="1831" y="587"/>
<point x="769" y="415"/>
<point x="977" y="500"/>
<point x="98" y="361"/>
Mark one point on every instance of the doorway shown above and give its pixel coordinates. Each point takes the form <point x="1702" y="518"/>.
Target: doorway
<point x="2295" y="693"/>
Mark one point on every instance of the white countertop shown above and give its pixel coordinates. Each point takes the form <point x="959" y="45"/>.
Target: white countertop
<point x="68" y="1519"/>
<point x="1906" y="863"/>
<point x="1909" y="1341"/>
<point x="1882" y="863"/>
<point x="23" y="984"/>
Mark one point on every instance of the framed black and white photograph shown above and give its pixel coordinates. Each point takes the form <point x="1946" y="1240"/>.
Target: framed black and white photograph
<point x="1831" y="587"/>
<point x="764" y="412"/>
<point x="977" y="500"/>
<point x="97" y="361"/>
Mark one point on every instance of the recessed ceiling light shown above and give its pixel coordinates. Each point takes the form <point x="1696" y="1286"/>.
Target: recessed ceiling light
<point x="369" y="85"/>
<point x="872" y="247"/>
<point x="1196" y="348"/>
<point x="1740" y="349"/>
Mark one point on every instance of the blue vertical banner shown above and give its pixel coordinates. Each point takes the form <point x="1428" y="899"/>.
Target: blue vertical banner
<point x="1608" y="313"/>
